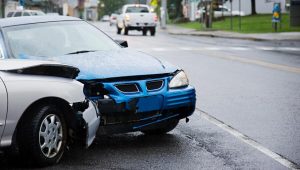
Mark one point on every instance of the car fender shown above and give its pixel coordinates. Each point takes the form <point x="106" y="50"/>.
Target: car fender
<point x="35" y="88"/>
<point x="3" y="106"/>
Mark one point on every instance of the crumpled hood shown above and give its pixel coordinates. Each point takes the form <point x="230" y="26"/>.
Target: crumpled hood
<point x="118" y="63"/>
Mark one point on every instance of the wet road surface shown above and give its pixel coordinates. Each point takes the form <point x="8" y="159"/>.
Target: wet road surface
<point x="251" y="87"/>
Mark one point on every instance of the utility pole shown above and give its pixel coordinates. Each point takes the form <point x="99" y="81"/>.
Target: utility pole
<point x="231" y="26"/>
<point x="3" y="8"/>
<point x="163" y="13"/>
<point x="240" y="17"/>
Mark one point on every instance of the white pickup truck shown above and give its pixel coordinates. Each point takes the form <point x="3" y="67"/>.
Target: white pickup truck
<point x="137" y="17"/>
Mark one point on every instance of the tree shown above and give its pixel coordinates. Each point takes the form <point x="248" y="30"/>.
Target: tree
<point x="107" y="7"/>
<point x="253" y="7"/>
<point x="175" y="8"/>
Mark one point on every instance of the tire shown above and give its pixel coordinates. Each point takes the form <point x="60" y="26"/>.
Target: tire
<point x="164" y="128"/>
<point x="144" y="32"/>
<point x="42" y="136"/>
<point x="126" y="31"/>
<point x="152" y="31"/>
<point x="119" y="30"/>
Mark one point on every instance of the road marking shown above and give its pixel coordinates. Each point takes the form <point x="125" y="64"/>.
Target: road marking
<point x="211" y="48"/>
<point x="266" y="48"/>
<point x="288" y="49"/>
<point x="186" y="48"/>
<point x="239" y="48"/>
<point x="260" y="63"/>
<point x="277" y="157"/>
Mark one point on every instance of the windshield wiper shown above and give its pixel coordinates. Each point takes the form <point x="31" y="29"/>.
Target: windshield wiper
<point x="81" y="51"/>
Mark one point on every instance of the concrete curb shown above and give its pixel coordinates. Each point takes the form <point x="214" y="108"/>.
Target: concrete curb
<point x="294" y="36"/>
<point x="219" y="36"/>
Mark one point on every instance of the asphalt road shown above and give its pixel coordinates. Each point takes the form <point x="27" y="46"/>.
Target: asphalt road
<point x="247" y="117"/>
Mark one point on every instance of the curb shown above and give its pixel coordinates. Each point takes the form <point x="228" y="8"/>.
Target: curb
<point x="224" y="36"/>
<point x="220" y="34"/>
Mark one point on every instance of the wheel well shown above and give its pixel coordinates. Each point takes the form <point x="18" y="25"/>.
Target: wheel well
<point x="61" y="103"/>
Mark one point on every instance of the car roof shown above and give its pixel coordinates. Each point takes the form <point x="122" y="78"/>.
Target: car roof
<point x="13" y="21"/>
<point x="136" y="5"/>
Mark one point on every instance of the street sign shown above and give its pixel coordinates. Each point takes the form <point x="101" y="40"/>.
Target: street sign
<point x="276" y="13"/>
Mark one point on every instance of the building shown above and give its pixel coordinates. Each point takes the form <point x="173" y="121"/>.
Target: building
<point x="262" y="6"/>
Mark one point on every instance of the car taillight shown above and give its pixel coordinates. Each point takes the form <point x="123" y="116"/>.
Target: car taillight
<point x="155" y="18"/>
<point x="127" y="17"/>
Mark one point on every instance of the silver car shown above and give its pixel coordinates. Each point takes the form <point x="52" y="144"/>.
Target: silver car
<point x="42" y="108"/>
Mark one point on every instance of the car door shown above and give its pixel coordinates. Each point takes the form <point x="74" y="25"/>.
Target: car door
<point x="3" y="106"/>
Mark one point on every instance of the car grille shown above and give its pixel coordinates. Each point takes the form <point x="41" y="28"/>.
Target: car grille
<point x="154" y="85"/>
<point x="127" y="88"/>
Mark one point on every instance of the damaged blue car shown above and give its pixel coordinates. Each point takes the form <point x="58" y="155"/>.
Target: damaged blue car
<point x="133" y="91"/>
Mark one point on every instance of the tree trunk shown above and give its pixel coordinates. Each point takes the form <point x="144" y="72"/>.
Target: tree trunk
<point x="253" y="7"/>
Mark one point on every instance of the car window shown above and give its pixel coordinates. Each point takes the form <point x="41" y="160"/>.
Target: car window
<point x="10" y="14"/>
<point x="18" y="14"/>
<point x="223" y="9"/>
<point x="137" y="9"/>
<point x="56" y="39"/>
<point x="26" y="14"/>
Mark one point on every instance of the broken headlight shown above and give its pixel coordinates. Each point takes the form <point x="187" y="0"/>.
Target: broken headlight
<point x="94" y="89"/>
<point x="179" y="80"/>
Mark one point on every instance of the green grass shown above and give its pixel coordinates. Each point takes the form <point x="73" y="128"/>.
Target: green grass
<point x="250" y="24"/>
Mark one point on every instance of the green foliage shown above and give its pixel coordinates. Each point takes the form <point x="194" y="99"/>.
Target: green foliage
<point x="174" y="9"/>
<point x="110" y="6"/>
<point x="250" y="24"/>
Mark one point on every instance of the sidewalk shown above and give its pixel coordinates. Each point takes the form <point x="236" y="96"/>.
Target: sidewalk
<point x="176" y="30"/>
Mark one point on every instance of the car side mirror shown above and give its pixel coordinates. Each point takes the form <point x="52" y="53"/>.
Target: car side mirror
<point x="122" y="43"/>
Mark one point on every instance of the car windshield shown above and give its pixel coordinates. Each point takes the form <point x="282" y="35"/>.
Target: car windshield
<point x="137" y="10"/>
<point x="54" y="39"/>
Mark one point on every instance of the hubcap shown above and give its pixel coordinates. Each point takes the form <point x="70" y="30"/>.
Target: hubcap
<point x="50" y="136"/>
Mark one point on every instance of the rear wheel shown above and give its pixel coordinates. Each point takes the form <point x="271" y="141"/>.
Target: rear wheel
<point x="144" y="32"/>
<point x="163" y="128"/>
<point x="126" y="31"/>
<point x="42" y="136"/>
<point x="152" y="31"/>
<point x="119" y="30"/>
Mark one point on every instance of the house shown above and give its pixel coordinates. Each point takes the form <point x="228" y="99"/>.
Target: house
<point x="262" y="6"/>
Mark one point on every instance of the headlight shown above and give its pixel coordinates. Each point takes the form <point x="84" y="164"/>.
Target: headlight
<point x="179" y="80"/>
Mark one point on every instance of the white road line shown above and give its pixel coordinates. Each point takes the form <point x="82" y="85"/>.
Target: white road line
<point x="186" y="48"/>
<point x="277" y="157"/>
<point x="239" y="48"/>
<point x="288" y="49"/>
<point x="211" y="48"/>
<point x="266" y="48"/>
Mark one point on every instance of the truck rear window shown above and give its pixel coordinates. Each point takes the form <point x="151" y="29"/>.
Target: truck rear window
<point x="137" y="10"/>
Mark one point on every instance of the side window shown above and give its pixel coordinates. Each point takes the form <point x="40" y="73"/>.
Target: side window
<point x="2" y="48"/>
<point x="10" y="14"/>
<point x="18" y="14"/>
<point x="26" y="14"/>
<point x="1" y="53"/>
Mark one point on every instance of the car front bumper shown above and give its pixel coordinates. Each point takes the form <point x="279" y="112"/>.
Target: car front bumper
<point x="133" y="112"/>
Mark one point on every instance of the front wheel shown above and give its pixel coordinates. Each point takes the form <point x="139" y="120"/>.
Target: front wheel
<point x="162" y="128"/>
<point x="43" y="136"/>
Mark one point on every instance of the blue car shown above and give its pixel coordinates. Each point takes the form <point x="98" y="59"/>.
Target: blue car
<point x="133" y="91"/>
